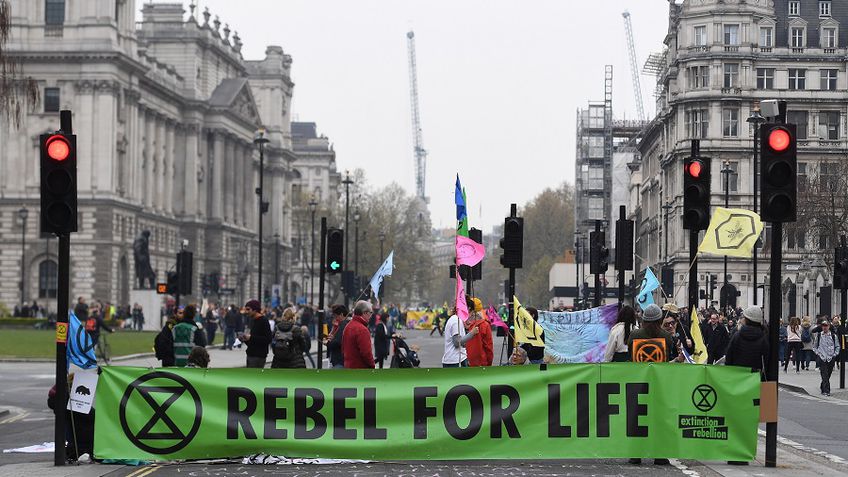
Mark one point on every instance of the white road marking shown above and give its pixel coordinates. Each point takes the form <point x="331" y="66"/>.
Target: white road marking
<point x="812" y="450"/>
<point x="682" y="468"/>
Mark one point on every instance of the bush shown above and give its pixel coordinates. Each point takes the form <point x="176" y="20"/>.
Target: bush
<point x="23" y="322"/>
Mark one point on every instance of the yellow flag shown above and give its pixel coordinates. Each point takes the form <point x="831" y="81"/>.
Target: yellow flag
<point x="526" y="329"/>
<point x="732" y="232"/>
<point x="699" y="356"/>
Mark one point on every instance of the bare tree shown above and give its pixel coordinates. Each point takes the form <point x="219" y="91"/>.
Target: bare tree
<point x="17" y="93"/>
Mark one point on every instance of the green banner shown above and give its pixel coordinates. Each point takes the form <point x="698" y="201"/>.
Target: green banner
<point x="610" y="410"/>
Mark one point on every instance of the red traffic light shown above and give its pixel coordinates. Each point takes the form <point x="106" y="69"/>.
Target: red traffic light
<point x="779" y="140"/>
<point x="695" y="168"/>
<point x="58" y="148"/>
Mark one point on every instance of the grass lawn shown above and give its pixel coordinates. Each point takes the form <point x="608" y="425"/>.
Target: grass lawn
<point x="16" y="343"/>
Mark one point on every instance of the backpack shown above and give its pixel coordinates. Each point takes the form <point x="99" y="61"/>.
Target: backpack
<point x="805" y="335"/>
<point x="163" y="344"/>
<point x="91" y="324"/>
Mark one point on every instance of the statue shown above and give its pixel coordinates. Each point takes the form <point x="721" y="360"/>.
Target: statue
<point x="141" y="254"/>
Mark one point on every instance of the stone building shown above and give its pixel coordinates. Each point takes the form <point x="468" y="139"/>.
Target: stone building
<point x="165" y="112"/>
<point x="721" y="58"/>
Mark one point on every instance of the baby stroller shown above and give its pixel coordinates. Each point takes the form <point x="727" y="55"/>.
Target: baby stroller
<point x="402" y="355"/>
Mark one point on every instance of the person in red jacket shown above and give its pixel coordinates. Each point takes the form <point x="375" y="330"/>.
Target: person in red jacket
<point x="479" y="348"/>
<point x="356" y="339"/>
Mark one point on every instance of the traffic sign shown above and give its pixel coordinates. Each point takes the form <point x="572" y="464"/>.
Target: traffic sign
<point x="162" y="288"/>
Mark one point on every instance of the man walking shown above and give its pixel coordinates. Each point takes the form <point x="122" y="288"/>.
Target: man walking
<point x="259" y="338"/>
<point x="356" y="339"/>
<point x="826" y="347"/>
<point x="715" y="337"/>
<point x="210" y="323"/>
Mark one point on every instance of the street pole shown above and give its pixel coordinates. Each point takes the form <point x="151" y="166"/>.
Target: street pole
<point x="726" y="170"/>
<point x="321" y="292"/>
<point x="597" y="301"/>
<point x="513" y="212"/>
<point x="259" y="138"/>
<point x="356" y="218"/>
<point x="382" y="239"/>
<point x="576" y="269"/>
<point x="843" y="312"/>
<point x="693" y="269"/>
<point x="756" y="119"/>
<point x="276" y="258"/>
<point x="347" y="182"/>
<point x="666" y="208"/>
<point x="775" y="304"/>
<point x="312" y="205"/>
<point x="23" y="214"/>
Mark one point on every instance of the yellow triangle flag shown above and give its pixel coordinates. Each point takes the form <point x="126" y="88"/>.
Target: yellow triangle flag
<point x="526" y="329"/>
<point x="699" y="355"/>
<point x="732" y="232"/>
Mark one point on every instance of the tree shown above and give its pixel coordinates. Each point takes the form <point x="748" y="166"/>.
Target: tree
<point x="17" y="93"/>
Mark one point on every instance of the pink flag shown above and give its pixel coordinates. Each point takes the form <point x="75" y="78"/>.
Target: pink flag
<point x="468" y="252"/>
<point x="495" y="319"/>
<point x="461" y="307"/>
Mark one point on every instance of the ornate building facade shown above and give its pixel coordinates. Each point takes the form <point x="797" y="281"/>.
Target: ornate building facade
<point x="165" y="112"/>
<point x="721" y="58"/>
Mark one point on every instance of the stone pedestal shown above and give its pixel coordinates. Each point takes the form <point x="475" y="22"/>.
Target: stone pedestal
<point x="151" y="304"/>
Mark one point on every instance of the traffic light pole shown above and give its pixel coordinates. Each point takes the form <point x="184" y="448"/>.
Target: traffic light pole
<point x="62" y="305"/>
<point x="321" y="292"/>
<point x="693" y="269"/>
<point x="775" y="310"/>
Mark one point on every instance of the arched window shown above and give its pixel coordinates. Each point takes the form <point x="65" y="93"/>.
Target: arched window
<point x="48" y="275"/>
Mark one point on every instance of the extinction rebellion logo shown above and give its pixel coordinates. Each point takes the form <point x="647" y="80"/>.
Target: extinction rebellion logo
<point x="145" y="417"/>
<point x="704" y="399"/>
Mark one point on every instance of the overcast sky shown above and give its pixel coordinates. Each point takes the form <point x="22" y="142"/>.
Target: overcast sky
<point x="499" y="84"/>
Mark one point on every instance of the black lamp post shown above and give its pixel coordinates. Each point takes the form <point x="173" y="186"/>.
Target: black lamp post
<point x="382" y="238"/>
<point x="312" y="206"/>
<point x="576" y="268"/>
<point x="666" y="208"/>
<point x="726" y="170"/>
<point x="347" y="182"/>
<point x="356" y="218"/>
<point x="756" y="119"/>
<point x="260" y="139"/>
<point x="23" y="214"/>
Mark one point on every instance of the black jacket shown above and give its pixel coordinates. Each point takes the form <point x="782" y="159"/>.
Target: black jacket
<point x="260" y="338"/>
<point x="381" y="340"/>
<point x="289" y="346"/>
<point x="748" y="348"/>
<point x="334" y="346"/>
<point x="716" y="340"/>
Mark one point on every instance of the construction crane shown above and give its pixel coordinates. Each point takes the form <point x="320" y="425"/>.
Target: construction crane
<point x="634" y="70"/>
<point x="418" y="141"/>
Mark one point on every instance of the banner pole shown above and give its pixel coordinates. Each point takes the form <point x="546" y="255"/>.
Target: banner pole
<point x="321" y="292"/>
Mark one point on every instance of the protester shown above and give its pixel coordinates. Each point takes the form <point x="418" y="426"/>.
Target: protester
<point x="231" y="321"/>
<point x="535" y="354"/>
<point x="80" y="310"/>
<point x="479" y="348"/>
<point x="185" y="335"/>
<point x="138" y="317"/>
<point x="715" y="338"/>
<point x="806" y="343"/>
<point x="455" y="355"/>
<point x="259" y="338"/>
<point x="210" y="323"/>
<point x="163" y="344"/>
<point x="616" y="350"/>
<point x="518" y="357"/>
<point x="675" y="353"/>
<point x="749" y="347"/>
<point x="198" y="358"/>
<point x="79" y="427"/>
<point x="290" y="341"/>
<point x="382" y="340"/>
<point x="781" y="341"/>
<point x="840" y="329"/>
<point x="794" y="346"/>
<point x="826" y="347"/>
<point x="334" y="339"/>
<point x="356" y="339"/>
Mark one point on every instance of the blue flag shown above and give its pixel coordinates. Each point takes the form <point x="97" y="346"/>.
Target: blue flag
<point x="459" y="199"/>
<point x="80" y="345"/>
<point x="649" y="284"/>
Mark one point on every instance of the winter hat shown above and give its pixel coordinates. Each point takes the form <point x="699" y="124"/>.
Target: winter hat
<point x="652" y="313"/>
<point x="253" y="305"/>
<point x="753" y="314"/>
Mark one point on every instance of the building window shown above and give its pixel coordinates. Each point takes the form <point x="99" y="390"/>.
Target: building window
<point x="802" y="239"/>
<point x="731" y="75"/>
<point x="730" y="122"/>
<point x="51" y="100"/>
<point x="794" y="8"/>
<point x="799" y="118"/>
<point x="797" y="78"/>
<point x="697" y="123"/>
<point x="596" y="208"/>
<point x="828" y="80"/>
<point x="796" y="37"/>
<point x="54" y="12"/>
<point x="700" y="35"/>
<point x="766" y="37"/>
<point x="828" y="37"/>
<point x="596" y="146"/>
<point x="802" y="177"/>
<point x="829" y="125"/>
<point x="790" y="239"/>
<point x="732" y="178"/>
<point x="698" y="77"/>
<point x="48" y="274"/>
<point x="596" y="178"/>
<point x="765" y="78"/>
<point x="823" y="241"/>
<point x="731" y="34"/>
<point x="824" y="9"/>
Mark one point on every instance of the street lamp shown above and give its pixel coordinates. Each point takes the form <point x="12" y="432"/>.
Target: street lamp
<point x="756" y="119"/>
<point x="23" y="214"/>
<point x="347" y="182"/>
<point x="356" y="218"/>
<point x="382" y="238"/>
<point x="666" y="208"/>
<point x="260" y="139"/>
<point x="576" y="268"/>
<point x="726" y="170"/>
<point x="312" y="206"/>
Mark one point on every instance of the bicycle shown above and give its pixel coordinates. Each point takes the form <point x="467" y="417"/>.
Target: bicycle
<point x="104" y="350"/>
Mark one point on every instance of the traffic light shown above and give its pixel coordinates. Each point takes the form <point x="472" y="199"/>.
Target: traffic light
<point x="477" y="270"/>
<point x="713" y="279"/>
<point x="778" y="169"/>
<point x="184" y="272"/>
<point x="667" y="279"/>
<point x="598" y="253"/>
<point x="840" y="268"/>
<point x="512" y="242"/>
<point x="696" y="192"/>
<point x="335" y="251"/>
<point x="173" y="283"/>
<point x="58" y="183"/>
<point x="624" y="244"/>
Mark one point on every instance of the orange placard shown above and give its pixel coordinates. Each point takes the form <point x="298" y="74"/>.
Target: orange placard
<point x="162" y="288"/>
<point x="649" y="350"/>
<point x="61" y="332"/>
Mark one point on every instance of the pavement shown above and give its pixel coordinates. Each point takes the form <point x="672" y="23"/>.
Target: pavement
<point x="808" y="382"/>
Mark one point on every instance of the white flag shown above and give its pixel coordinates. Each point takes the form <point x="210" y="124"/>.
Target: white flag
<point x="384" y="270"/>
